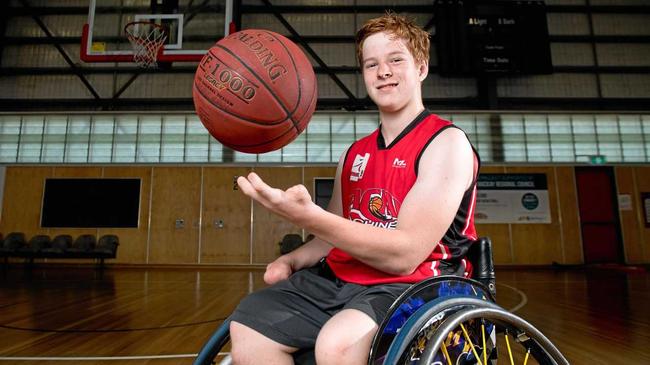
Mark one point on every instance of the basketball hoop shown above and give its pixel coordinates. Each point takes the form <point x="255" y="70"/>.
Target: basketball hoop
<point x="147" y="39"/>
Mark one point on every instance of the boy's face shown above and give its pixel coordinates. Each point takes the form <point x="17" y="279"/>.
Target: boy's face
<point x="392" y="77"/>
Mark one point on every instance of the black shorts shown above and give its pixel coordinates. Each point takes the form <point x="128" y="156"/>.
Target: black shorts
<point x="293" y="311"/>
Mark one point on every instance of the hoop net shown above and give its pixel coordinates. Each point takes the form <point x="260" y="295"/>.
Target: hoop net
<point x="147" y="39"/>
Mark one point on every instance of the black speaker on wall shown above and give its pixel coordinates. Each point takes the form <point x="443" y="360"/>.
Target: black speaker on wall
<point x="491" y="36"/>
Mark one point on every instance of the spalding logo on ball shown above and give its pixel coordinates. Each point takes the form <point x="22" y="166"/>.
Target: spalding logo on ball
<point x="255" y="91"/>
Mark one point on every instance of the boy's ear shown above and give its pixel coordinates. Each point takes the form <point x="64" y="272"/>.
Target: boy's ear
<point x="423" y="70"/>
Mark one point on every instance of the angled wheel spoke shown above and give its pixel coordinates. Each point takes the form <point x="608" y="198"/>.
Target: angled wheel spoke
<point x="496" y="332"/>
<point x="446" y="353"/>
<point x="471" y="344"/>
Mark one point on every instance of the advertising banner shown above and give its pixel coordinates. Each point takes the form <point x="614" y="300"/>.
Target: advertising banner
<point x="512" y="198"/>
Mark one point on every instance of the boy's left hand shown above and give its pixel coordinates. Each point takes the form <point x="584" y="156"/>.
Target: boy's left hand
<point x="279" y="269"/>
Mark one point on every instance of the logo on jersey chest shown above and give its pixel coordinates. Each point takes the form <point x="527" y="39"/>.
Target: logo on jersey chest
<point x="376" y="207"/>
<point x="399" y="164"/>
<point x="359" y="166"/>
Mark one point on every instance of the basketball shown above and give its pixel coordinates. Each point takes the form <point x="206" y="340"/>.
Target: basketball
<point x="255" y="91"/>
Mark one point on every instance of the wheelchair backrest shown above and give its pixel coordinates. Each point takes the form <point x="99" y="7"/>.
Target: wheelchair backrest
<point x="480" y="255"/>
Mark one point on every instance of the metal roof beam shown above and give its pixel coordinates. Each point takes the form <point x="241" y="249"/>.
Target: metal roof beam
<point x="63" y="53"/>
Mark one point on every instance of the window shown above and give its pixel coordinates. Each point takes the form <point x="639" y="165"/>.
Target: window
<point x="151" y="138"/>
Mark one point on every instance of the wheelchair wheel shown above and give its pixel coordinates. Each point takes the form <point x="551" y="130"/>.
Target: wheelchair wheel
<point x="209" y="353"/>
<point x="423" y="294"/>
<point x="468" y="337"/>
<point x="409" y="342"/>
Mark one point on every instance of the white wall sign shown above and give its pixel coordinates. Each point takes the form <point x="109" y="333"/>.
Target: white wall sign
<point x="512" y="198"/>
<point x="624" y="202"/>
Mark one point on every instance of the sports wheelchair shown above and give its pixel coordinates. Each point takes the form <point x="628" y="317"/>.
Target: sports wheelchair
<point x="445" y="320"/>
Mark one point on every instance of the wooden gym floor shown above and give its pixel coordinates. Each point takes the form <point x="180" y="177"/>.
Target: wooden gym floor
<point x="163" y="316"/>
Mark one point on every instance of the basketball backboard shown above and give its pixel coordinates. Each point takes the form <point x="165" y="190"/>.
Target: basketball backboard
<point x="192" y="27"/>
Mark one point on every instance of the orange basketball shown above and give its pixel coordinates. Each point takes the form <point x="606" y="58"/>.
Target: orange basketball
<point x="255" y="91"/>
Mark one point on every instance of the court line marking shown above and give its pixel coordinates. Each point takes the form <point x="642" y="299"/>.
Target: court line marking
<point x="108" y="330"/>
<point x="102" y="358"/>
<point x="524" y="298"/>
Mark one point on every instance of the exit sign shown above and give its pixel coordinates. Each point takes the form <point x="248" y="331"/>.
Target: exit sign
<point x="597" y="159"/>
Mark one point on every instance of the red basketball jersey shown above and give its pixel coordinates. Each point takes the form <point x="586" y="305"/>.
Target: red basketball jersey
<point x="374" y="182"/>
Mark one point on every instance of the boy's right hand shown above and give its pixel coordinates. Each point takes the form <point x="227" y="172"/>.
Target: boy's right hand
<point x="278" y="270"/>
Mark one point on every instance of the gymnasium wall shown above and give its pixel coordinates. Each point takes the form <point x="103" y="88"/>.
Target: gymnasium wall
<point x="203" y="195"/>
<point x="636" y="235"/>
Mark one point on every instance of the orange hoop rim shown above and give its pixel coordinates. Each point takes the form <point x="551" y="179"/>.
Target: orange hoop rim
<point x="129" y="25"/>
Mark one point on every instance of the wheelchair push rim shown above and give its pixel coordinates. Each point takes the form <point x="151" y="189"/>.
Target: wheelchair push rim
<point x="515" y="331"/>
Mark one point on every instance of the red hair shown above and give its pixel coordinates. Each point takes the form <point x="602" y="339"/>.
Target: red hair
<point x="416" y="38"/>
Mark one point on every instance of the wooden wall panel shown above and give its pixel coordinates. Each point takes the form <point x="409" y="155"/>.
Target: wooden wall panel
<point x="230" y="244"/>
<point x="133" y="241"/>
<point x="176" y="194"/>
<point x="268" y="228"/>
<point x="538" y="243"/>
<point x="492" y="169"/>
<point x="500" y="236"/>
<point x="642" y="181"/>
<point x="312" y="172"/>
<point x="569" y="215"/>
<point x="498" y="233"/>
<point x="23" y="196"/>
<point x="78" y="171"/>
<point x="628" y="218"/>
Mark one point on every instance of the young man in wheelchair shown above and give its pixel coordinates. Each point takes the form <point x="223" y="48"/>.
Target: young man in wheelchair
<point x="401" y="211"/>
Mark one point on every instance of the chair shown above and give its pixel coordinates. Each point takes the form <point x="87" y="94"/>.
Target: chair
<point x="59" y="245"/>
<point x="428" y="313"/>
<point x="107" y="245"/>
<point x="36" y="244"/>
<point x="83" y="243"/>
<point x="10" y="246"/>
<point x="290" y="242"/>
<point x="34" y="248"/>
<point x="13" y="242"/>
<point x="106" y="249"/>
